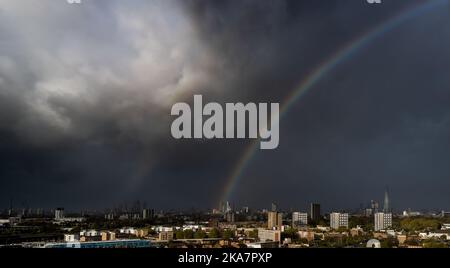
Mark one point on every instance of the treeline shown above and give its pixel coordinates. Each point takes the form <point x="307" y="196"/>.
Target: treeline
<point x="421" y="224"/>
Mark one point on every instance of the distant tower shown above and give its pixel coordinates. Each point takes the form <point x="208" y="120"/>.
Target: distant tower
<point x="59" y="213"/>
<point x="274" y="207"/>
<point x="274" y="220"/>
<point x="386" y="207"/>
<point x="228" y="207"/>
<point x="225" y="207"/>
<point x="315" y="212"/>
<point x="10" y="211"/>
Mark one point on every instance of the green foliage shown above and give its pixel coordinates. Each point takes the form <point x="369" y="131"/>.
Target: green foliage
<point x="290" y="233"/>
<point x="188" y="234"/>
<point x="365" y="222"/>
<point x="254" y="234"/>
<point x="228" y="234"/>
<point x="321" y="222"/>
<point x="331" y="242"/>
<point x="214" y="233"/>
<point x="179" y="234"/>
<point x="304" y="241"/>
<point x="340" y="241"/>
<point x="434" y="244"/>
<point x="419" y="224"/>
<point x="200" y="234"/>
<point x="389" y="243"/>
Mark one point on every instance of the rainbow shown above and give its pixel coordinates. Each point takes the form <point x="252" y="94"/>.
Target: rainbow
<point x="321" y="71"/>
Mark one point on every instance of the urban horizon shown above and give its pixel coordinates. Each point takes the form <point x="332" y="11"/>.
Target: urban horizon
<point x="300" y="205"/>
<point x="139" y="205"/>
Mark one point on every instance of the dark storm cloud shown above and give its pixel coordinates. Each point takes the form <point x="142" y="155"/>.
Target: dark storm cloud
<point x="86" y="90"/>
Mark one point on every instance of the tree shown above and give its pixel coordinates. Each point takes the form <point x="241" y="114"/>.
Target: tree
<point x="200" y="234"/>
<point x="290" y="233"/>
<point x="228" y="234"/>
<point x="253" y="234"/>
<point x="179" y="234"/>
<point x="214" y="233"/>
<point x="419" y="224"/>
<point x="389" y="242"/>
<point x="188" y="234"/>
<point x="432" y="243"/>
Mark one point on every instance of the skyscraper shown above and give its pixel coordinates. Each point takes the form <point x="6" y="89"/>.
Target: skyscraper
<point x="147" y="213"/>
<point x="274" y="220"/>
<point x="274" y="207"/>
<point x="229" y="216"/>
<point x="386" y="207"/>
<point x="225" y="207"/>
<point x="59" y="213"/>
<point x="374" y="206"/>
<point x="315" y="212"/>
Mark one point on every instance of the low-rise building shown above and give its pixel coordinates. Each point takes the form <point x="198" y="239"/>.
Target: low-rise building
<point x="323" y="228"/>
<point x="89" y="233"/>
<point x="107" y="236"/>
<point x="69" y="219"/>
<point x="402" y="239"/>
<point x="357" y="231"/>
<point x="142" y="233"/>
<point x="265" y="235"/>
<point x="409" y="213"/>
<point x="263" y="245"/>
<point x="435" y="235"/>
<point x="165" y="236"/>
<point x="162" y="229"/>
<point x="130" y="231"/>
<point x="71" y="237"/>
<point x="308" y="235"/>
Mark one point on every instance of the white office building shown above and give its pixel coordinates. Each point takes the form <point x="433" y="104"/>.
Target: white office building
<point x="383" y="221"/>
<point x="299" y="219"/>
<point x="338" y="220"/>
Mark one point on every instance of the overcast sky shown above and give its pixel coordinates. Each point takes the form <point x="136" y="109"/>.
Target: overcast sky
<point x="86" y="92"/>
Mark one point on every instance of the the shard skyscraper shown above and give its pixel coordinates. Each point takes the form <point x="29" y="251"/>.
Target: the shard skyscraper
<point x="386" y="207"/>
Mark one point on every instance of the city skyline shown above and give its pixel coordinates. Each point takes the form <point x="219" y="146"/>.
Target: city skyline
<point x="313" y="209"/>
<point x="227" y="226"/>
